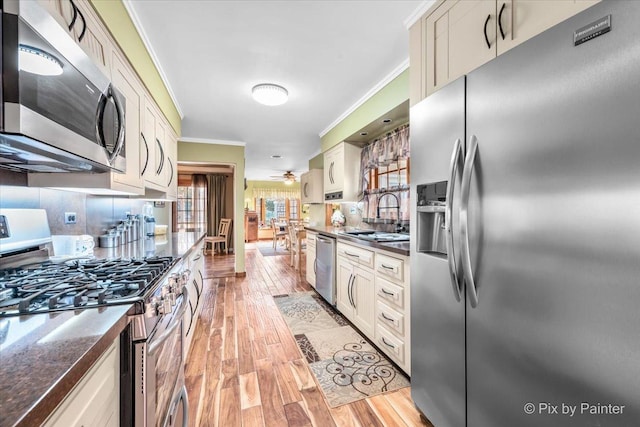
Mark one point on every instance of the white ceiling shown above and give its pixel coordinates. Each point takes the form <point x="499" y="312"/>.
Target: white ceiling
<point x="328" y="54"/>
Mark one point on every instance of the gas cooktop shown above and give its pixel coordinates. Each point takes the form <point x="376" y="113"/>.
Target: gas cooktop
<point x="76" y="284"/>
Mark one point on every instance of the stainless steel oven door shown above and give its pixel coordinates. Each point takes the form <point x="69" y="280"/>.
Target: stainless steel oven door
<point x="159" y="376"/>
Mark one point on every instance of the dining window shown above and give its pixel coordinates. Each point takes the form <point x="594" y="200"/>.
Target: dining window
<point x="279" y="209"/>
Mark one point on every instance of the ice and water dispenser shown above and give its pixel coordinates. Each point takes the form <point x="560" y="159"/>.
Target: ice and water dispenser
<point x="430" y="209"/>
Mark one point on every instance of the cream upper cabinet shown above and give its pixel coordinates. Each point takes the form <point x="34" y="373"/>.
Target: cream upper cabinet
<point x="341" y="172"/>
<point x="127" y="84"/>
<point x="311" y="186"/>
<point x="171" y="162"/>
<point x="151" y="153"/>
<point x="520" y="20"/>
<point x="79" y="18"/>
<point x="460" y="35"/>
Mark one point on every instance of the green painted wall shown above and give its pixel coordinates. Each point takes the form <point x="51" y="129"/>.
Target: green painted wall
<point x="116" y="18"/>
<point x="317" y="162"/>
<point x="390" y="96"/>
<point x="223" y="154"/>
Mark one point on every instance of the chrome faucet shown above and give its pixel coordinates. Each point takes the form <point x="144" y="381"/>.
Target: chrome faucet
<point x="397" y="207"/>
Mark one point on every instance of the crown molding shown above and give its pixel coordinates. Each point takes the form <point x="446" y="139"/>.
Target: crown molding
<point x="212" y="141"/>
<point x="147" y="44"/>
<point x="417" y="14"/>
<point x="382" y="83"/>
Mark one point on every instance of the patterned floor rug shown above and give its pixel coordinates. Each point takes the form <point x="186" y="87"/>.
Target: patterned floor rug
<point x="267" y="250"/>
<point x="347" y="367"/>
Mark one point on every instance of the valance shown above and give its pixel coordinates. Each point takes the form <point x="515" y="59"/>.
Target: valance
<point x="276" y="193"/>
<point x="390" y="148"/>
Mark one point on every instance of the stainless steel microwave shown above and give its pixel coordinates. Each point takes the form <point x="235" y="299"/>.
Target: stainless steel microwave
<point x="59" y="112"/>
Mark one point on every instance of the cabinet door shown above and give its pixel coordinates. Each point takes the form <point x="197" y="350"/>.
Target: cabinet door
<point x="148" y="157"/>
<point x="333" y="169"/>
<point x="305" y="188"/>
<point x="91" y="37"/>
<point x="456" y="40"/>
<point x="344" y="277"/>
<point x="311" y="266"/>
<point x="523" y="19"/>
<point x="161" y="152"/>
<point x="171" y="164"/>
<point x="363" y="295"/>
<point x="126" y="83"/>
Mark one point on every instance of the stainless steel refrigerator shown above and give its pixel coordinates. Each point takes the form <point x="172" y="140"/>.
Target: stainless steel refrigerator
<point x="525" y="248"/>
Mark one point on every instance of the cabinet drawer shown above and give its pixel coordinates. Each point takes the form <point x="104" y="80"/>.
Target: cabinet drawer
<point x="356" y="255"/>
<point x="390" y="318"/>
<point x="390" y="292"/>
<point x="390" y="267"/>
<point x="311" y="240"/>
<point x="391" y="345"/>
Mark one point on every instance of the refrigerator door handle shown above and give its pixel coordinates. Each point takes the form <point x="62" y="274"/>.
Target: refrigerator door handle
<point x="464" y="220"/>
<point x="456" y="155"/>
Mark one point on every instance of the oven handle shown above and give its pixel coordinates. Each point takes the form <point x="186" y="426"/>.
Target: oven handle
<point x="185" y="412"/>
<point x="177" y="320"/>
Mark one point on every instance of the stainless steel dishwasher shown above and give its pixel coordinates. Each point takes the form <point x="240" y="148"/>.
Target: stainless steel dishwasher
<point x="326" y="268"/>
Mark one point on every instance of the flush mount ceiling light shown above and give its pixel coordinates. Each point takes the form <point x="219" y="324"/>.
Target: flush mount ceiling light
<point x="276" y="156"/>
<point x="269" y="94"/>
<point x="37" y="61"/>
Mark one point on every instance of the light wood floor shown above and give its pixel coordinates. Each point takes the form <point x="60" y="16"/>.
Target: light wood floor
<point x="244" y="367"/>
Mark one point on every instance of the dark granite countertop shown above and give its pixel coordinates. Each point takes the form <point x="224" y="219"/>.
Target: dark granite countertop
<point x="177" y="245"/>
<point x="45" y="355"/>
<point x="401" y="248"/>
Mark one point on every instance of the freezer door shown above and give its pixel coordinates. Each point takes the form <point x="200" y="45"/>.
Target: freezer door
<point x="554" y="220"/>
<point x="437" y="317"/>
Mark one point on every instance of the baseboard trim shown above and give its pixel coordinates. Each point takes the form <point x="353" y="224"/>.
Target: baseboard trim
<point x="241" y="274"/>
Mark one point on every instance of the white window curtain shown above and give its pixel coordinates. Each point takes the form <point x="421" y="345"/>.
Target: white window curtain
<point x="273" y="193"/>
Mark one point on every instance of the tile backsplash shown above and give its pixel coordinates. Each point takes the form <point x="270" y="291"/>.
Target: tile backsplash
<point x="94" y="213"/>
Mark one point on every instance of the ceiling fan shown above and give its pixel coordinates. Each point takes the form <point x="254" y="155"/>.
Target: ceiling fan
<point x="288" y="177"/>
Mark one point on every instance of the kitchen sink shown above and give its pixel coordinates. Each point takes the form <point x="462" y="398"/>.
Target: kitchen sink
<point x="385" y="237"/>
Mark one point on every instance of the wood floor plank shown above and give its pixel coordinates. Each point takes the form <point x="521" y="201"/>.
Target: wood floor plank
<point x="249" y="390"/>
<point x="259" y="349"/>
<point x="230" y="415"/>
<point x="302" y="374"/>
<point x="272" y="408"/>
<point x="316" y="407"/>
<point x="245" y="352"/>
<point x="296" y="415"/>
<point x="286" y="383"/>
<point x="252" y="417"/>
<point x="364" y="414"/>
<point x="230" y="351"/>
<point x="194" y="392"/>
<point x="385" y="412"/>
<point x="343" y="417"/>
<point x="229" y="373"/>
<point x="401" y="402"/>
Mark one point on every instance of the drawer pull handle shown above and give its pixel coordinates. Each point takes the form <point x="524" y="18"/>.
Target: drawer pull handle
<point x="350" y="254"/>
<point x="387" y="344"/>
<point x="386" y="292"/>
<point x="387" y="267"/>
<point x="387" y="318"/>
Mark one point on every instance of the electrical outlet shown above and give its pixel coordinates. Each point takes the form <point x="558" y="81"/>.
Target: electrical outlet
<point x="70" y="218"/>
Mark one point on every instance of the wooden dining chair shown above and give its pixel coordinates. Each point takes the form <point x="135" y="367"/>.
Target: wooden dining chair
<point x="222" y="237"/>
<point x="296" y="246"/>
<point x="277" y="233"/>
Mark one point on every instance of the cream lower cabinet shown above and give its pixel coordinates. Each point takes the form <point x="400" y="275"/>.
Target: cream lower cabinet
<point x="373" y="293"/>
<point x="393" y="317"/>
<point x="356" y="286"/>
<point x="311" y="258"/>
<point x="95" y="400"/>
<point x="195" y="287"/>
<point x="460" y="35"/>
